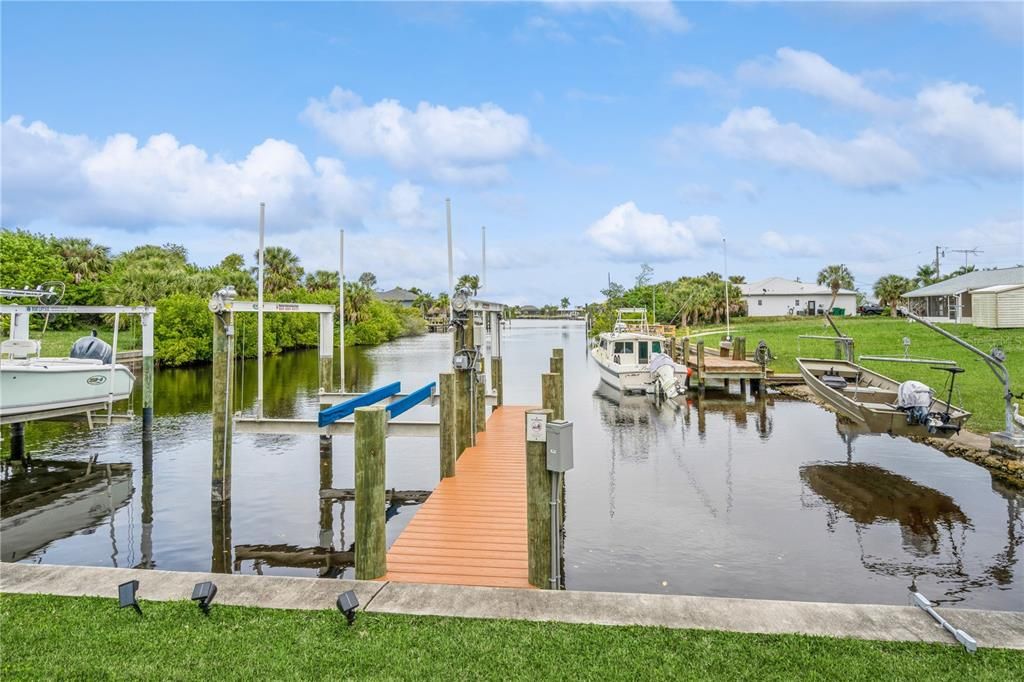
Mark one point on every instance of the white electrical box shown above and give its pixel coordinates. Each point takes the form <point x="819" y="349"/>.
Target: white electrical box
<point x="559" y="435"/>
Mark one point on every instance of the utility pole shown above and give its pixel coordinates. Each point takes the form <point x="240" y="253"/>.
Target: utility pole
<point x="938" y="251"/>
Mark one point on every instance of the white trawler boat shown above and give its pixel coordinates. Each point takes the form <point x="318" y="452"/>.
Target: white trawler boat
<point x="34" y="384"/>
<point x="633" y="360"/>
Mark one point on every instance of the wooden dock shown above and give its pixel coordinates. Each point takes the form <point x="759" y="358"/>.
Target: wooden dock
<point x="472" y="528"/>
<point x="717" y="367"/>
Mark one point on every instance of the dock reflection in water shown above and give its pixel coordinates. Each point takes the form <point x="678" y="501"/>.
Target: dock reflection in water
<point x="718" y="496"/>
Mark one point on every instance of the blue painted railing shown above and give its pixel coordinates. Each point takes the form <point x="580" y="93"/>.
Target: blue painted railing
<point x="412" y="400"/>
<point x="342" y="410"/>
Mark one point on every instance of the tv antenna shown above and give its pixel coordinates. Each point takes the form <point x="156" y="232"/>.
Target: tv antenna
<point x="975" y="251"/>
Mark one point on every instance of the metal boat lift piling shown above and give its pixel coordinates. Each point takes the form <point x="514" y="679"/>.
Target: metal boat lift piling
<point x="20" y="317"/>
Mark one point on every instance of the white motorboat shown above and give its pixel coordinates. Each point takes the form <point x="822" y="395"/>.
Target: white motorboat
<point x="633" y="360"/>
<point x="35" y="384"/>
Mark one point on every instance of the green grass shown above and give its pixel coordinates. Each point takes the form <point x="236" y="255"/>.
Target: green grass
<point x="45" y="637"/>
<point x="57" y="342"/>
<point x="981" y="392"/>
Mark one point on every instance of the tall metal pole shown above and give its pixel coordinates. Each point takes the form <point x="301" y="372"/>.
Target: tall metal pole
<point x="259" y="320"/>
<point x="451" y="264"/>
<point x="483" y="256"/>
<point x="341" y="305"/>
<point x="725" y="260"/>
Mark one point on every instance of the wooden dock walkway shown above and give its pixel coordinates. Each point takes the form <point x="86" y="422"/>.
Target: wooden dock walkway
<point x="472" y="528"/>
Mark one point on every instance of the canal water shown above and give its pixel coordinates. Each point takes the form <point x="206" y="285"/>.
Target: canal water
<point x="753" y="498"/>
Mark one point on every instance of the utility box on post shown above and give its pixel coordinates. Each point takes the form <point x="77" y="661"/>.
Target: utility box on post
<point x="559" y="437"/>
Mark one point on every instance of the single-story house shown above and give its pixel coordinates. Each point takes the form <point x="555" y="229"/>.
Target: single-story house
<point x="951" y="300"/>
<point x="398" y="295"/>
<point x="528" y="310"/>
<point x="998" y="307"/>
<point x="780" y="296"/>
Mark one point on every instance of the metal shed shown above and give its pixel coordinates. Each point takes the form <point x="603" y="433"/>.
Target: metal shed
<point x="999" y="307"/>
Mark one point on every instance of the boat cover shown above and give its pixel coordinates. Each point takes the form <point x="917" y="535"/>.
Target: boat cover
<point x="914" y="394"/>
<point x="92" y="348"/>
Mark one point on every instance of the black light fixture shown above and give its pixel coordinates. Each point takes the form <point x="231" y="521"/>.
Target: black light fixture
<point x="126" y="596"/>
<point x="347" y="603"/>
<point x="203" y="594"/>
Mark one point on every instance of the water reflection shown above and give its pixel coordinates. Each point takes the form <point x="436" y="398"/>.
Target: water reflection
<point x="44" y="501"/>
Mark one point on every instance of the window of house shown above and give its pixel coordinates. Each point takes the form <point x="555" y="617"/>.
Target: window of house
<point x="798" y="301"/>
<point x="760" y="301"/>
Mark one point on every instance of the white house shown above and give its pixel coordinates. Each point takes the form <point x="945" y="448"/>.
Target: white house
<point x="779" y="296"/>
<point x="950" y="299"/>
<point x="1000" y="306"/>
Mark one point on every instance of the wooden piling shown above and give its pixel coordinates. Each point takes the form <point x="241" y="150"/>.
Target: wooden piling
<point x="480" y="405"/>
<point x="371" y="430"/>
<point x="538" y="506"/>
<point x="700" y="364"/>
<point x="147" y="378"/>
<point x="496" y="380"/>
<point x="18" y="441"/>
<point x="447" y="427"/>
<point x="685" y="351"/>
<point x="551" y="399"/>
<point x="557" y="366"/>
<point x="223" y="360"/>
<point x="326" y="483"/>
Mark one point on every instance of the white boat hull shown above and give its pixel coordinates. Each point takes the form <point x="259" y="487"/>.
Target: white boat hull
<point x="42" y="384"/>
<point x="625" y="378"/>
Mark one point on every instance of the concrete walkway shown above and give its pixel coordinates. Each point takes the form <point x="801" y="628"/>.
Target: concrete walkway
<point x="1002" y="629"/>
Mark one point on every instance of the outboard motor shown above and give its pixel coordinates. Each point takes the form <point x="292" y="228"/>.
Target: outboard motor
<point x="92" y="348"/>
<point x="663" y="372"/>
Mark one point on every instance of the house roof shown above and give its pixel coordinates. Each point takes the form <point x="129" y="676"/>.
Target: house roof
<point x="998" y="289"/>
<point x="780" y="286"/>
<point x="979" y="279"/>
<point x="397" y="294"/>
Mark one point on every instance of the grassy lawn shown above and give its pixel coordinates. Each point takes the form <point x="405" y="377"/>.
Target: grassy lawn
<point x="44" y="637"/>
<point x="981" y="392"/>
<point x="57" y="342"/>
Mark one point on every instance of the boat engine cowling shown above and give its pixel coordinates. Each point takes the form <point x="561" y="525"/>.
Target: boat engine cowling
<point x="92" y="348"/>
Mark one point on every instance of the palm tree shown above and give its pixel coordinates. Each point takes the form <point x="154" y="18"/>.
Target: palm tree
<point x="471" y="282"/>
<point x="358" y="298"/>
<point x="925" y="275"/>
<point x="442" y="303"/>
<point x="84" y="259"/>
<point x="233" y="261"/>
<point x="424" y="301"/>
<point x="281" y="269"/>
<point x="890" y="288"/>
<point x="321" y="280"/>
<point x="565" y="303"/>
<point x="836" y="277"/>
<point x="368" y="280"/>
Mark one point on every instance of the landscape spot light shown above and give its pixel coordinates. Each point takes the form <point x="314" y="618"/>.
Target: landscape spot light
<point x="126" y="595"/>
<point x="347" y="603"/>
<point x="203" y="593"/>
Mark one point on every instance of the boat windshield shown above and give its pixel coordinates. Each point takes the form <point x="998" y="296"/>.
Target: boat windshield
<point x="655" y="346"/>
<point x="624" y="347"/>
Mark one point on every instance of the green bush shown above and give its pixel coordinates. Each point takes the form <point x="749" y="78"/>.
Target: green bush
<point x="182" y="330"/>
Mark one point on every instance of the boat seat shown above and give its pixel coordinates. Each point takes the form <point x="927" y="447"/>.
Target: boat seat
<point x="19" y="349"/>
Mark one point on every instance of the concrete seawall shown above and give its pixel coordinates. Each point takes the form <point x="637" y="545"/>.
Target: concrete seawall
<point x="1002" y="629"/>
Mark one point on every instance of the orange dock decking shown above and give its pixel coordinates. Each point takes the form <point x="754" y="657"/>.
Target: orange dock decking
<point x="472" y="528"/>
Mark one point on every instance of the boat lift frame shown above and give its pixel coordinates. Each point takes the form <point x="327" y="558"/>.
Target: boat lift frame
<point x="20" y="317"/>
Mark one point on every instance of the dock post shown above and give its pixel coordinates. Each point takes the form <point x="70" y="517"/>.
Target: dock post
<point x="538" y="503"/>
<point x="550" y="397"/>
<point x="447" y="427"/>
<point x="327" y="352"/>
<point x="496" y="380"/>
<point x="326" y="538"/>
<point x="146" y="536"/>
<point x="147" y="378"/>
<point x="480" y="404"/>
<point x="700" y="365"/>
<point x="371" y="431"/>
<point x="685" y="350"/>
<point x="557" y="366"/>
<point x="18" y="441"/>
<point x="672" y="348"/>
<point x="223" y="360"/>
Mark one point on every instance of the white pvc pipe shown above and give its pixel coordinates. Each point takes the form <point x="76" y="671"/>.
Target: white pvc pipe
<point x="259" y="320"/>
<point x="725" y="261"/>
<point x="113" y="366"/>
<point x="451" y="264"/>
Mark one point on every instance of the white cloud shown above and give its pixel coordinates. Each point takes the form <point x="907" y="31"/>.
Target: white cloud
<point x="467" y="144"/>
<point x="627" y="233"/>
<point x="749" y="190"/>
<point x="811" y="73"/>
<point x="696" y="77"/>
<point x="869" y="160"/>
<point x="967" y="133"/>
<point x="70" y="178"/>
<point x="798" y="246"/>
<point x="405" y="206"/>
<point x="657" y="15"/>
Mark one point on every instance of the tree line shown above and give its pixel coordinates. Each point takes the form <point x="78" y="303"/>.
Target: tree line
<point x="162" y="276"/>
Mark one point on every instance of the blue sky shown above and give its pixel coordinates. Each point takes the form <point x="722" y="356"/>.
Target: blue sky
<point x="587" y="137"/>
